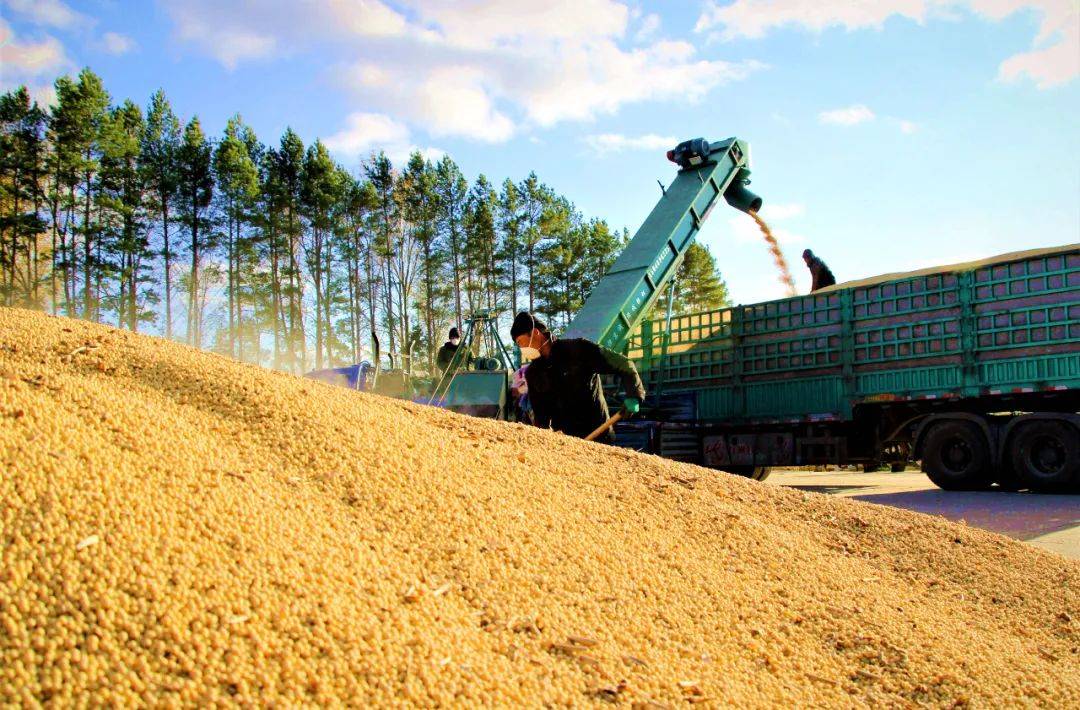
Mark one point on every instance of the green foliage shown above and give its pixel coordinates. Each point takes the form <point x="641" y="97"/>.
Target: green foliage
<point x="288" y="258"/>
<point x="195" y="191"/>
<point x="699" y="286"/>
<point x="22" y="168"/>
<point x="158" y="150"/>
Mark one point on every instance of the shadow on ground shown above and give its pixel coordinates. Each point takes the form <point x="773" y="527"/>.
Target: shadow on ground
<point x="1019" y="515"/>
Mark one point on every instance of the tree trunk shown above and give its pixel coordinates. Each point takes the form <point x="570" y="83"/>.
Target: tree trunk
<point x="231" y="283"/>
<point x="389" y="296"/>
<point x="275" y="299"/>
<point x="372" y="297"/>
<point x="87" y="245"/>
<point x="53" y="256"/>
<point x="194" y="336"/>
<point x="168" y="267"/>
<point x="457" y="274"/>
<point x="328" y="300"/>
<point x="316" y="276"/>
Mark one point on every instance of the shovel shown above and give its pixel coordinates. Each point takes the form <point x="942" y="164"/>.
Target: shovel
<point x="606" y="425"/>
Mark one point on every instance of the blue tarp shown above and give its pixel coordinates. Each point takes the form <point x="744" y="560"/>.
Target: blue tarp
<point x="353" y="376"/>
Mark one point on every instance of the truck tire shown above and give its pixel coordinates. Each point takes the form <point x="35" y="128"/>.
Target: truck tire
<point x="758" y="473"/>
<point x="1046" y="456"/>
<point x="956" y="457"/>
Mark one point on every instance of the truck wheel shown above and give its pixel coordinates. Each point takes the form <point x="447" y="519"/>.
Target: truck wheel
<point x="898" y="467"/>
<point x="1046" y="455"/>
<point x="956" y="457"/>
<point x="758" y="473"/>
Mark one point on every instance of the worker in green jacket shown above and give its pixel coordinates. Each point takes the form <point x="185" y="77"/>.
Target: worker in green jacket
<point x="563" y="379"/>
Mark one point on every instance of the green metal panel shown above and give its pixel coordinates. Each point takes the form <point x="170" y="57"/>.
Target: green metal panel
<point x="818" y="396"/>
<point x="813" y="396"/>
<point x="477" y="387"/>
<point x="911" y="381"/>
<point x="620" y="299"/>
<point x="1038" y="372"/>
<point x="942" y="334"/>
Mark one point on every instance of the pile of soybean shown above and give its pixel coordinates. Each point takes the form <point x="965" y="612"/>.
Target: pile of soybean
<point x="179" y="528"/>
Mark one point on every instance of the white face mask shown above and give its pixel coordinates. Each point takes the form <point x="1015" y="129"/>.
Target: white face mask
<point x="528" y="352"/>
<point x="453" y="341"/>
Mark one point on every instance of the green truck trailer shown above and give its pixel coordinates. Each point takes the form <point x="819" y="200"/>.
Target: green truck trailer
<point x="972" y="369"/>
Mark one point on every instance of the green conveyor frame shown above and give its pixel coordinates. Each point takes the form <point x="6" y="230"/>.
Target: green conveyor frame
<point x="625" y="294"/>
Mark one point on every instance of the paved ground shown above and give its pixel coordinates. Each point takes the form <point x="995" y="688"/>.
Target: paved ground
<point x="1048" y="521"/>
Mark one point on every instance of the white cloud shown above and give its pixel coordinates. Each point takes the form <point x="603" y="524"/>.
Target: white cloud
<point x="116" y="43"/>
<point x="31" y="63"/>
<point x="24" y="61"/>
<point x="1048" y="67"/>
<point x="908" y="127"/>
<point x="365" y="133"/>
<point x="752" y="19"/>
<point x="847" y="116"/>
<point x="456" y="101"/>
<point x="616" y="143"/>
<point x="51" y="13"/>
<point x="649" y="27"/>
<point x="492" y="24"/>
<point x="484" y="70"/>
<point x="1053" y="60"/>
<point x="229" y="31"/>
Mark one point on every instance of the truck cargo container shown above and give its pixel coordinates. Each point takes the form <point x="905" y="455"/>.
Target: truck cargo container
<point x="972" y="369"/>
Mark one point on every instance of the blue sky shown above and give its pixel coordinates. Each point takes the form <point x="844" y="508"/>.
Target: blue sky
<point x="885" y="135"/>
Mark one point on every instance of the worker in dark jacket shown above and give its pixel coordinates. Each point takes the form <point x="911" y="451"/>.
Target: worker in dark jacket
<point x="819" y="271"/>
<point x="563" y="379"/>
<point x="448" y="350"/>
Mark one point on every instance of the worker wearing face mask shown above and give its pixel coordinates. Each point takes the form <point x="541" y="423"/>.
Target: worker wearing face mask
<point x="447" y="352"/>
<point x="563" y="379"/>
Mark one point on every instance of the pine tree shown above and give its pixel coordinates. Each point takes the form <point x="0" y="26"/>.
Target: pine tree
<point x="510" y="218"/>
<point x="452" y="190"/>
<point x="535" y="197"/>
<point x="158" y="161"/>
<point x="238" y="187"/>
<point x="82" y="106"/>
<point x="22" y="165"/>
<point x="602" y="246"/>
<point x="563" y="261"/>
<point x="481" y="244"/>
<point x="699" y="285"/>
<point x="380" y="173"/>
<point x="319" y="191"/>
<point x="195" y="191"/>
<point x="422" y="211"/>
<point x="351" y="225"/>
<point x="122" y="201"/>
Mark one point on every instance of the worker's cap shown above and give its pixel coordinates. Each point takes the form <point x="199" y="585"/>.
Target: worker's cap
<point x="454" y="333"/>
<point x="524" y="323"/>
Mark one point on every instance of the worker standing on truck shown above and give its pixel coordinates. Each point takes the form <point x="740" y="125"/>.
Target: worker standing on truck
<point x="563" y="379"/>
<point x="819" y="271"/>
<point x="448" y="350"/>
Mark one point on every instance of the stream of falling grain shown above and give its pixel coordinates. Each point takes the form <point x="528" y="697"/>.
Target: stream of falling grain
<point x="777" y="255"/>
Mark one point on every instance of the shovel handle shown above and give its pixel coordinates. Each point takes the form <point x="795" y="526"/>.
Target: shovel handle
<point x="605" y="426"/>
